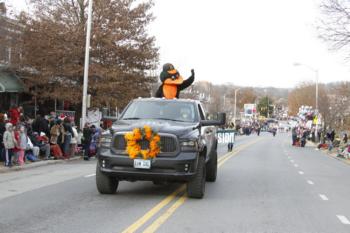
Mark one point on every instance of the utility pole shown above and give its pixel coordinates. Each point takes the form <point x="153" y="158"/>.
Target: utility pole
<point x="86" y="65"/>
<point x="268" y="107"/>
<point x="316" y="110"/>
<point x="235" y="107"/>
<point x="224" y="103"/>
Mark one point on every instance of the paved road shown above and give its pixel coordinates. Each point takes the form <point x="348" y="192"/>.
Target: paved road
<point x="265" y="185"/>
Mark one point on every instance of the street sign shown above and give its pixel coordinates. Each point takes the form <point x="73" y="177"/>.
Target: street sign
<point x="226" y="136"/>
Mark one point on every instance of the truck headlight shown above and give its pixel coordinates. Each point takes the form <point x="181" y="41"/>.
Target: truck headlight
<point x="191" y="145"/>
<point x="105" y="141"/>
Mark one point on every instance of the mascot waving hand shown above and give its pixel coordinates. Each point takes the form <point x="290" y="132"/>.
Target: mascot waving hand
<point x="172" y="82"/>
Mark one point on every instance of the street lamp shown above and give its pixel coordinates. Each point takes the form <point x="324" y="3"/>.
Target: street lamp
<point x="86" y="64"/>
<point x="268" y="104"/>
<point x="316" y="80"/>
<point x="235" y="107"/>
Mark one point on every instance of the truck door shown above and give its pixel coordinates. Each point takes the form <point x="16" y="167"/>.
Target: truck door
<point x="208" y="132"/>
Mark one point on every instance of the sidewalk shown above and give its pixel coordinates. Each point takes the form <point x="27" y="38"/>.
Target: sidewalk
<point x="41" y="163"/>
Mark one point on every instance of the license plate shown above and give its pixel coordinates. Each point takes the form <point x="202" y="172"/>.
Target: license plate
<point x="142" y="164"/>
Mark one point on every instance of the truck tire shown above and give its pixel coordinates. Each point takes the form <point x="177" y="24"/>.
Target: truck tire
<point x="196" y="186"/>
<point x="212" y="167"/>
<point x="104" y="183"/>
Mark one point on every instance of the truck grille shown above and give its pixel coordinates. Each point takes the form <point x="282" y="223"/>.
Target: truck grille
<point x="168" y="143"/>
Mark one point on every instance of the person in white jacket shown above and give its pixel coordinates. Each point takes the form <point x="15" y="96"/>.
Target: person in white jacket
<point x="74" y="141"/>
<point x="9" y="144"/>
<point x="34" y="149"/>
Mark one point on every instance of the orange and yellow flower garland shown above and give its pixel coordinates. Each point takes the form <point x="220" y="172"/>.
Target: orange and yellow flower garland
<point x="134" y="148"/>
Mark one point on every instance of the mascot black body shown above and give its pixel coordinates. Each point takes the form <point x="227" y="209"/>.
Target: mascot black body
<point x="172" y="82"/>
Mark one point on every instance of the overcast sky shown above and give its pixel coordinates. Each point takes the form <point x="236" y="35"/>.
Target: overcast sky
<point x="249" y="43"/>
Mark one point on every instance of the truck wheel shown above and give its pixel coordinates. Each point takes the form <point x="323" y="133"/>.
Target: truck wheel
<point x="104" y="183"/>
<point x="212" y="167"/>
<point x="196" y="187"/>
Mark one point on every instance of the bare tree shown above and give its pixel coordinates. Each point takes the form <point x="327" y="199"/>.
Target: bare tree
<point x="122" y="52"/>
<point x="304" y="94"/>
<point x="334" y="26"/>
<point x="339" y="98"/>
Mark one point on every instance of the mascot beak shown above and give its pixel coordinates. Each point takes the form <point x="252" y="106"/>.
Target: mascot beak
<point x="178" y="81"/>
<point x="172" y="72"/>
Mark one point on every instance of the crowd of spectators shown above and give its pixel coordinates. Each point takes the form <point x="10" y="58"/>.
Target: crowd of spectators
<point x="325" y="139"/>
<point x="50" y="137"/>
<point x="332" y="141"/>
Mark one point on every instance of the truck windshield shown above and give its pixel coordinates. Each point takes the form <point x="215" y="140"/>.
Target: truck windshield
<point x="162" y="110"/>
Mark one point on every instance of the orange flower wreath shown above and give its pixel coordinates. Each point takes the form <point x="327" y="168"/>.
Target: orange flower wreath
<point x="134" y="148"/>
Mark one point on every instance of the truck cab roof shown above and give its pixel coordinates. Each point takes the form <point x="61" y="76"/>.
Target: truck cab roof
<point x="172" y="100"/>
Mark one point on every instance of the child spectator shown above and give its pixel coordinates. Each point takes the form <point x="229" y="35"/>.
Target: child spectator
<point x="9" y="144"/>
<point x="21" y="138"/>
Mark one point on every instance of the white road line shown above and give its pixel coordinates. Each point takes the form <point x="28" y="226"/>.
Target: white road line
<point x="301" y="172"/>
<point x="91" y="175"/>
<point x="323" y="197"/>
<point x="343" y="219"/>
<point x="310" y="182"/>
<point x="296" y="165"/>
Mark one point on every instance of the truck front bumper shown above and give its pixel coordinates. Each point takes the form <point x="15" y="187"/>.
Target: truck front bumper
<point x="181" y="167"/>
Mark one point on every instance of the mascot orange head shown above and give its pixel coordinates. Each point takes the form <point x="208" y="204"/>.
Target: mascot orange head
<point x="170" y="78"/>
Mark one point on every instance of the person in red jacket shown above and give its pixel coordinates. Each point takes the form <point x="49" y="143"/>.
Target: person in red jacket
<point x="15" y="115"/>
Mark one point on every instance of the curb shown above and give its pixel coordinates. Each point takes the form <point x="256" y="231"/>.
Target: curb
<point x="37" y="164"/>
<point x="332" y="155"/>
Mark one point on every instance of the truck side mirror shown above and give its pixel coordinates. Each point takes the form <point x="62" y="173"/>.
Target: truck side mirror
<point x="221" y="120"/>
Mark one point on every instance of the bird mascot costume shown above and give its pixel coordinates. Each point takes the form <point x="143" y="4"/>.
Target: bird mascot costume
<point x="172" y="82"/>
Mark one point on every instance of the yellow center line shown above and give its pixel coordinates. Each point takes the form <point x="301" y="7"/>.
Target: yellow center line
<point x="159" y="221"/>
<point x="170" y="211"/>
<point x="136" y="225"/>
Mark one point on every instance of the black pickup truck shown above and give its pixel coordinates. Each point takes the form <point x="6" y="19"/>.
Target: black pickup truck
<point x="188" y="146"/>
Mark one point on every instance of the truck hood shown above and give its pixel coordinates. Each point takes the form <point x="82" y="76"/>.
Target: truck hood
<point x="160" y="126"/>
